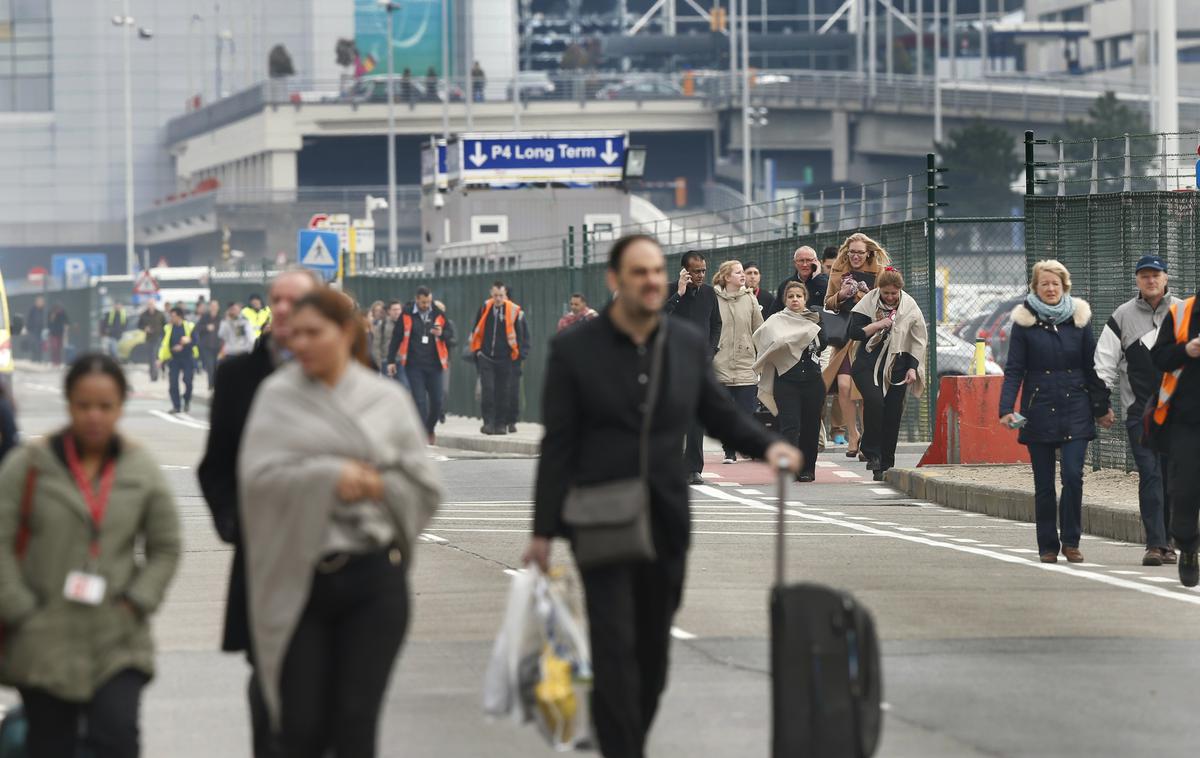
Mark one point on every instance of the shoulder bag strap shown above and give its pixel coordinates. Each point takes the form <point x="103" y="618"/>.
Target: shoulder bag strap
<point x="656" y="372"/>
<point x="26" y="512"/>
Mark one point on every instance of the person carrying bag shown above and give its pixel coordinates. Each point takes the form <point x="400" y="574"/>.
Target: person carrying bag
<point x="611" y="479"/>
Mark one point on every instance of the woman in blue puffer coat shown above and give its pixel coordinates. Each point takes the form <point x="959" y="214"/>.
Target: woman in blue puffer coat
<point x="1050" y="362"/>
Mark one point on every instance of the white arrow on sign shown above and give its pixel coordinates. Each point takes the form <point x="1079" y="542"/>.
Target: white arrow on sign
<point x="478" y="158"/>
<point x="608" y="155"/>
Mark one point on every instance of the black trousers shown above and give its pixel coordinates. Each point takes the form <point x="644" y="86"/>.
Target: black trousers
<point x="630" y="608"/>
<point x="800" y="406"/>
<point x="693" y="449"/>
<point x="881" y="420"/>
<point x="513" y="408"/>
<point x="745" y="396"/>
<point x="1184" y="481"/>
<point x="495" y="375"/>
<point x="109" y="719"/>
<point x="208" y="363"/>
<point x="340" y="658"/>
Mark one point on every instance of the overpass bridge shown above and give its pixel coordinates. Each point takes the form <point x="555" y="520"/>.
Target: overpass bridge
<point x="257" y="137"/>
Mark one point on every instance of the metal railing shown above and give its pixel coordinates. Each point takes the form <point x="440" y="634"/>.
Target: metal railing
<point x="1124" y="163"/>
<point x="1038" y="98"/>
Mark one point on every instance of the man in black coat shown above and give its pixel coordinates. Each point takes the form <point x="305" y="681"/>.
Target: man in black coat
<point x="808" y="272"/>
<point x="597" y="384"/>
<point x="696" y="302"/>
<point x="238" y="380"/>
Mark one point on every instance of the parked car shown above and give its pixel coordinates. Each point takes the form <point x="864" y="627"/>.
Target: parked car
<point x="956" y="357"/>
<point x="997" y="328"/>
<point x="535" y="85"/>
<point x="374" y="90"/>
<point x="640" y="89"/>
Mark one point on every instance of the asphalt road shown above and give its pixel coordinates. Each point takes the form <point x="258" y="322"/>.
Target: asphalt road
<point x="986" y="651"/>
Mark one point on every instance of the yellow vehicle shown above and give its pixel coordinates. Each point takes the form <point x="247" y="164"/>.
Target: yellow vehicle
<point x="6" y="342"/>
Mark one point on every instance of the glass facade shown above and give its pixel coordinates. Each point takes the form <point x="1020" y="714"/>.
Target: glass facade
<point x="25" y="56"/>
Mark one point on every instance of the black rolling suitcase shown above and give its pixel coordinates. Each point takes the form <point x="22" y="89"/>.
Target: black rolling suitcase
<point x="826" y="681"/>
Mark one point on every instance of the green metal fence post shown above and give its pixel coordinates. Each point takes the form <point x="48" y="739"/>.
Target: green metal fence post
<point x="585" y="244"/>
<point x="1029" y="169"/>
<point x="931" y="188"/>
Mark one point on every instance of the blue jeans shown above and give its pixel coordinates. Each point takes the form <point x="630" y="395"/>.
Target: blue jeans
<point x="175" y="368"/>
<point x="1070" y="506"/>
<point x="1152" y="487"/>
<point x="426" y="385"/>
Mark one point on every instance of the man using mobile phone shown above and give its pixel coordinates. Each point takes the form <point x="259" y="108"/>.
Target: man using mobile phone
<point x="695" y="301"/>
<point x="808" y="272"/>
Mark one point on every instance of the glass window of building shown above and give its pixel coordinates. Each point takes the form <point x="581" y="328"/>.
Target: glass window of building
<point x="25" y="56"/>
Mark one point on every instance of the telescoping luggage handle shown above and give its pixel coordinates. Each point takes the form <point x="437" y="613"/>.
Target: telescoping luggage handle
<point x="783" y="474"/>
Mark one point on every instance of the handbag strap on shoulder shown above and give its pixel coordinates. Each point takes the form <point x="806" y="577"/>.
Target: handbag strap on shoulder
<point x="656" y="371"/>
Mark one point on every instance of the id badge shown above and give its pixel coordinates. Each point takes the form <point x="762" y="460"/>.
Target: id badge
<point x="425" y="339"/>
<point x="85" y="588"/>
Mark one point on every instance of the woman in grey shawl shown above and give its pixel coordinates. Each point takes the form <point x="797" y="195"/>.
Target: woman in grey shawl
<point x="790" y="385"/>
<point x="335" y="488"/>
<point x="889" y="365"/>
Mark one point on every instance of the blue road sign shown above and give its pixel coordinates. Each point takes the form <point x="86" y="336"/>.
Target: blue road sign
<point x="74" y="269"/>
<point x="549" y="157"/>
<point x="317" y="249"/>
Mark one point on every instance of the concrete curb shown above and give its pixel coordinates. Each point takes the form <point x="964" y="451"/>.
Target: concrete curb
<point x="1017" y="505"/>
<point x="493" y="444"/>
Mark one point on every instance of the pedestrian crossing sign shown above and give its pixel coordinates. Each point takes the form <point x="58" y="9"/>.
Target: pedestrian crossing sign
<point x="318" y="250"/>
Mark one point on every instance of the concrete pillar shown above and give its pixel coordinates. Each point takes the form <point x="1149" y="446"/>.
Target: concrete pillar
<point x="839" y="137"/>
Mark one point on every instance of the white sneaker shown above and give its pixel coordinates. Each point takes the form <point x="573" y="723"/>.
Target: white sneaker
<point x="729" y="459"/>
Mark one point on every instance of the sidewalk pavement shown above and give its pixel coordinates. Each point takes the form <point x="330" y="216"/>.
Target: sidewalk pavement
<point x="1110" y="497"/>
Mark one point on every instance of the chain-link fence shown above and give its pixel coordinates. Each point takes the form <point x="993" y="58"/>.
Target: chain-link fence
<point x="1099" y="235"/>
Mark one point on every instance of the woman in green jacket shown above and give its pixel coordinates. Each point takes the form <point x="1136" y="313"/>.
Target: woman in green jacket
<point x="74" y="599"/>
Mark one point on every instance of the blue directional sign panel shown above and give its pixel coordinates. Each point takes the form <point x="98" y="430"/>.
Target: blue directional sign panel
<point x="317" y="249"/>
<point x="542" y="157"/>
<point x="74" y="269"/>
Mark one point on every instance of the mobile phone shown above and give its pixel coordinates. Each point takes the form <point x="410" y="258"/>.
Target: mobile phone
<point x="1018" y="421"/>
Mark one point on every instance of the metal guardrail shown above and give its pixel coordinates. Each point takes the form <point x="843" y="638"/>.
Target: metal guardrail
<point x="1002" y="96"/>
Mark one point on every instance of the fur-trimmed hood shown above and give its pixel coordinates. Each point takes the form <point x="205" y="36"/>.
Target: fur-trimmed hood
<point x="1022" y="315"/>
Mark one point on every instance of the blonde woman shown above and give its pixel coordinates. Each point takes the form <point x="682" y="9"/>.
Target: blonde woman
<point x="859" y="262"/>
<point x="1051" y="362"/>
<point x="741" y="315"/>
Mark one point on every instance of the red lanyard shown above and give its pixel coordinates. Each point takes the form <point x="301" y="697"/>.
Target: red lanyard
<point x="97" y="500"/>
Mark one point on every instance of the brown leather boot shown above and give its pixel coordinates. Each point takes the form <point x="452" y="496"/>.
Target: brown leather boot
<point x="1049" y="557"/>
<point x="1072" y="554"/>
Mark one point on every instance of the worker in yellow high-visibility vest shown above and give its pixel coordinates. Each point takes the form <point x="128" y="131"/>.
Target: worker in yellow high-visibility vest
<point x="257" y="314"/>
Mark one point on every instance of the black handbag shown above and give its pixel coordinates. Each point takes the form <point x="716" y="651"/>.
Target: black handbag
<point x="610" y="521"/>
<point x="836" y="326"/>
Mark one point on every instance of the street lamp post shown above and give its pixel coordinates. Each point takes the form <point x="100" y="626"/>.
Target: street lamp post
<point x="125" y="23"/>
<point x="393" y="253"/>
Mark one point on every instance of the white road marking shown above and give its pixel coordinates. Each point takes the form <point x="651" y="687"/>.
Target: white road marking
<point x="710" y="475"/>
<point x="1160" y="579"/>
<point x="964" y="540"/>
<point x="887" y="523"/>
<point x="168" y="467"/>
<point x="680" y="634"/>
<point x="826" y="464"/>
<point x="845" y="474"/>
<point x="882" y="491"/>
<point x="1126" y="573"/>
<point x="1020" y="550"/>
<point x="1094" y="576"/>
<point x="426" y="537"/>
<point x="181" y="420"/>
<point x="750" y="492"/>
<point x="722" y="484"/>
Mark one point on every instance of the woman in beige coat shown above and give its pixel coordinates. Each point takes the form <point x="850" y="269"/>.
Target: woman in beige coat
<point x="74" y="598"/>
<point x="741" y="315"/>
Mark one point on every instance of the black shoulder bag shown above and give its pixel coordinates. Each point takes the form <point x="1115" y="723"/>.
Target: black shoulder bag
<point x="611" y="521"/>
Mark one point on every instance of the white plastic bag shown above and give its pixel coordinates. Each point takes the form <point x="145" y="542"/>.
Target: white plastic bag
<point x="541" y="669"/>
